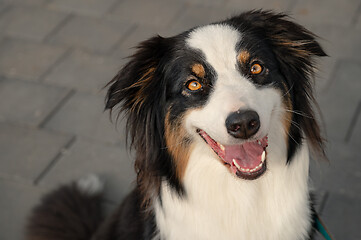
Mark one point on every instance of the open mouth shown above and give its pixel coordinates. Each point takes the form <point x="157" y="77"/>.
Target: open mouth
<point x="247" y="160"/>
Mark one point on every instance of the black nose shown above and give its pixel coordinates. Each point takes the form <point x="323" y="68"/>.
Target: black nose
<point x="243" y="124"/>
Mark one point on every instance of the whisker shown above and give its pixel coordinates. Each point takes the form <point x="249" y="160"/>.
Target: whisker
<point x="294" y="124"/>
<point x="288" y="90"/>
<point x="291" y="137"/>
<point x="293" y="111"/>
<point x="298" y="113"/>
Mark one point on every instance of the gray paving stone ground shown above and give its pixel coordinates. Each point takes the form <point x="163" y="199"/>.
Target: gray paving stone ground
<point x="336" y="13"/>
<point x="83" y="71"/>
<point x="27" y="60"/>
<point x="278" y="5"/>
<point x="112" y="163"/>
<point x="156" y="12"/>
<point x="94" y="35"/>
<point x="355" y="133"/>
<point x="32" y="23"/>
<point x="342" y="212"/>
<point x="27" y="2"/>
<point x="83" y="7"/>
<point x="56" y="55"/>
<point x="83" y="115"/>
<point x="16" y="202"/>
<point x="25" y="151"/>
<point x="40" y="101"/>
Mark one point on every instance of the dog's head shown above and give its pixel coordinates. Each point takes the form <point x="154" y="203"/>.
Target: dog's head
<point x="225" y="85"/>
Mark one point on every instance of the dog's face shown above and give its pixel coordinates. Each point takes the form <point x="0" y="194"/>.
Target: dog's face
<point x="222" y="85"/>
<point x="226" y="88"/>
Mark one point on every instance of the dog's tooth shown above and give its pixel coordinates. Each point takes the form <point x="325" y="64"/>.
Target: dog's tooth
<point x="222" y="147"/>
<point x="263" y="156"/>
<point x="236" y="164"/>
<point x="259" y="142"/>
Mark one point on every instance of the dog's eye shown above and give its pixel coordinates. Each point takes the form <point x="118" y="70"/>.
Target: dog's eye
<point x="256" y="69"/>
<point x="194" y="85"/>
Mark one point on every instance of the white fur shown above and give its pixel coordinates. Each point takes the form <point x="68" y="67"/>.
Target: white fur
<point x="217" y="204"/>
<point x="90" y="184"/>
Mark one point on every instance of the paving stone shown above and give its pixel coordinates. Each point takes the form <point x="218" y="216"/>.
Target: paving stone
<point x="192" y="17"/>
<point x="358" y="22"/>
<point x="26" y="60"/>
<point x="332" y="12"/>
<point x="160" y="13"/>
<point x="112" y="164"/>
<point x="339" y="102"/>
<point x="83" y="115"/>
<point x="343" y="172"/>
<point x="188" y="19"/>
<point x="95" y="35"/>
<point x="16" y="202"/>
<point x="29" y="22"/>
<point x="85" y="7"/>
<point x="347" y="46"/>
<point x="84" y="72"/>
<point x="213" y="3"/>
<point x="276" y="5"/>
<point x="318" y="236"/>
<point x="3" y="7"/>
<point x="342" y="216"/>
<point x="356" y="133"/>
<point x="140" y="33"/>
<point x="34" y="150"/>
<point x="26" y="2"/>
<point x="28" y="103"/>
<point x="324" y="73"/>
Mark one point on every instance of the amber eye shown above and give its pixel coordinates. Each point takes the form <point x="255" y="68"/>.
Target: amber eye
<point x="194" y="85"/>
<point x="256" y="69"/>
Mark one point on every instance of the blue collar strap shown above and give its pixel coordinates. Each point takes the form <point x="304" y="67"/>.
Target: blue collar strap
<point x="321" y="228"/>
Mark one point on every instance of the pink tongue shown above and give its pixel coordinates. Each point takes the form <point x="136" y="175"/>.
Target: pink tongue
<point x="247" y="155"/>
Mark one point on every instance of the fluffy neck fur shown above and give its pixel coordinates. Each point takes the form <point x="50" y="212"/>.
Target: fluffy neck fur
<point x="217" y="205"/>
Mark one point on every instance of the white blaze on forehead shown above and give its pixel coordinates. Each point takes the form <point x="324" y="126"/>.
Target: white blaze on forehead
<point x="218" y="43"/>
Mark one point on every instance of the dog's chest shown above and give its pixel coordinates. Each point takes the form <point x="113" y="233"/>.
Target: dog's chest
<point x="220" y="206"/>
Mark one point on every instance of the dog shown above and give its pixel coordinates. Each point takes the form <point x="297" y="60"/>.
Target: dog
<point x="221" y="119"/>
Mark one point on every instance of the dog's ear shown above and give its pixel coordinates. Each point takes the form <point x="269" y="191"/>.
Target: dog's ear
<point x="138" y="90"/>
<point x="292" y="43"/>
<point x="133" y="84"/>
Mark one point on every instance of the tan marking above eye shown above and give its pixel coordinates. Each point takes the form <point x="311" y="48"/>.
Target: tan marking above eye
<point x="198" y="70"/>
<point x="243" y="56"/>
<point x="256" y="69"/>
<point x="194" y="85"/>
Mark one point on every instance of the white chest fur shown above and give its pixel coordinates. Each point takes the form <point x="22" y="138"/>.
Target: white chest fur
<point x="218" y="205"/>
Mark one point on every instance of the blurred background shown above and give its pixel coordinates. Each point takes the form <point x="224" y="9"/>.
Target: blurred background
<point x="56" y="55"/>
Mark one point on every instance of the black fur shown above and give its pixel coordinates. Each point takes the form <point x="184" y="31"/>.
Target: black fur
<point x="66" y="213"/>
<point x="130" y="221"/>
<point x="145" y="117"/>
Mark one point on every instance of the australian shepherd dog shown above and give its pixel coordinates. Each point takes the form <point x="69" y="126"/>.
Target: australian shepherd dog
<point x="221" y="121"/>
